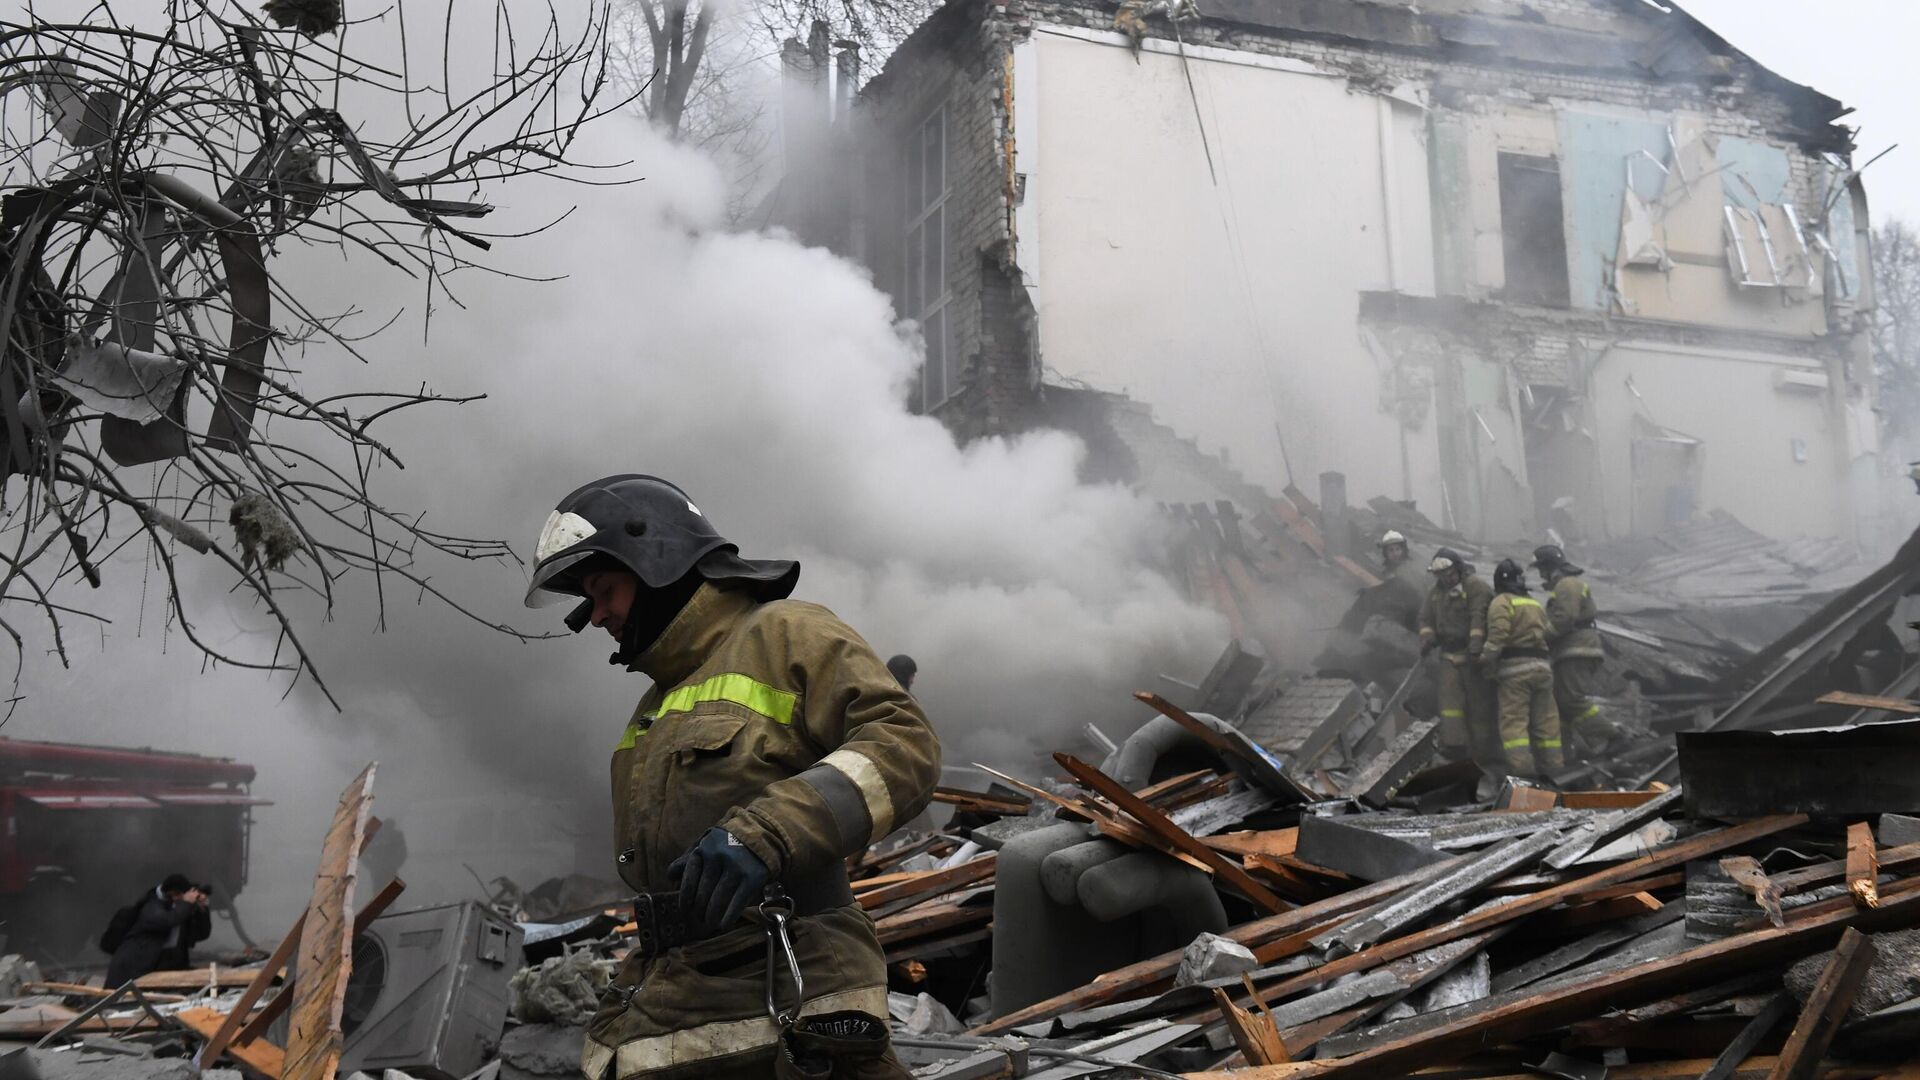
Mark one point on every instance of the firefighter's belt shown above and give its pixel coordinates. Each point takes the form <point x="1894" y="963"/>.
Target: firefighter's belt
<point x="660" y="925"/>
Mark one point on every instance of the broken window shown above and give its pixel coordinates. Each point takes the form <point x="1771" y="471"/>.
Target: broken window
<point x="924" y="287"/>
<point x="1533" y="236"/>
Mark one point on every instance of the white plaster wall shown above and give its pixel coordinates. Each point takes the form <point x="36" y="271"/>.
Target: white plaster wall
<point x="1728" y="401"/>
<point x="1225" y="308"/>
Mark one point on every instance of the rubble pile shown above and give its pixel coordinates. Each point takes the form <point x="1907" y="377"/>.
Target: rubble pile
<point x="1283" y="873"/>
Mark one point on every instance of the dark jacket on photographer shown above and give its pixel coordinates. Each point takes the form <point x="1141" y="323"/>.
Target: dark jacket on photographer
<point x="161" y="938"/>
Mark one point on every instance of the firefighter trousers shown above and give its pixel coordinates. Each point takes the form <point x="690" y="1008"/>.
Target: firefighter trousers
<point x="1529" y="723"/>
<point x="1467" y="708"/>
<point x="1576" y="685"/>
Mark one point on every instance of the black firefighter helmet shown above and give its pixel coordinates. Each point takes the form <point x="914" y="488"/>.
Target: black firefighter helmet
<point x="1510" y="577"/>
<point x="650" y="527"/>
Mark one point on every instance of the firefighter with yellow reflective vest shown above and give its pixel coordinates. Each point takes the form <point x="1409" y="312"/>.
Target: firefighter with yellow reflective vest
<point x="772" y="745"/>
<point x="1453" y="622"/>
<point x="1577" y="653"/>
<point x="1517" y="656"/>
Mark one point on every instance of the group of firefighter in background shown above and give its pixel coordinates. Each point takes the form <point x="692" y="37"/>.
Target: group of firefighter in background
<point x="1518" y="678"/>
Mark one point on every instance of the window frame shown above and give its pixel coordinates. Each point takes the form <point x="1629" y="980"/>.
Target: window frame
<point x="925" y="213"/>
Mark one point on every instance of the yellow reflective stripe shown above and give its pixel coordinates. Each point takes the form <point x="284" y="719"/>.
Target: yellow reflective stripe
<point x="774" y="704"/>
<point x="865" y="775"/>
<point x="1515" y="744"/>
<point x="1550" y="744"/>
<point x="1453" y="713"/>
<point x="1592" y="710"/>
<point x="632" y="735"/>
<point x="727" y="1037"/>
<point x="1528" y="601"/>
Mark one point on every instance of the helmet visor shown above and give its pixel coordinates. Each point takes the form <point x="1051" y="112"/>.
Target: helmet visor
<point x="554" y="581"/>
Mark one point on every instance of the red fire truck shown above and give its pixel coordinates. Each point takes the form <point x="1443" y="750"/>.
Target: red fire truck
<point x="86" y="828"/>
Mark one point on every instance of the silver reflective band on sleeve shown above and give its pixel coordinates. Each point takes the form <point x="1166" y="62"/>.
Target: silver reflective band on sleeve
<point x="873" y="787"/>
<point x="852" y="825"/>
<point x="594" y="1059"/>
<point x="727" y="1037"/>
<point x="561" y="532"/>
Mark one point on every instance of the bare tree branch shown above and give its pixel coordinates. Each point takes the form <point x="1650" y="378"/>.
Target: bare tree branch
<point x="150" y="177"/>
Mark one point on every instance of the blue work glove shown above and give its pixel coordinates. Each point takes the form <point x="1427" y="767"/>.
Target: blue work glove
<point x="719" y="876"/>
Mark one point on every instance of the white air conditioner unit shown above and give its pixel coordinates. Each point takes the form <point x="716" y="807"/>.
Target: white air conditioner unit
<point x="428" y="991"/>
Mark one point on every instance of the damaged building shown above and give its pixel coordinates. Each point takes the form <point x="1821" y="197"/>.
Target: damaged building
<point x="1577" y="264"/>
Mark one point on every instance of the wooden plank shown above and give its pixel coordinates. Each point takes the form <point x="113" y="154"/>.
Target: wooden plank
<point x="927" y="919"/>
<point x="1869" y="701"/>
<point x="259" y="1024"/>
<point x="262" y="1057"/>
<point x="326" y="941"/>
<point x="67" y="989"/>
<point x="1746" y="872"/>
<point x="1777" y="1009"/>
<point x="1254" y="1033"/>
<point x="1522" y="799"/>
<point x="1529" y="1016"/>
<point x="37" y="1021"/>
<point x="1160" y="825"/>
<point x="1893" y="860"/>
<point x="191" y="979"/>
<point x="1272" y="843"/>
<point x="931" y="882"/>
<point x="1826" y="1007"/>
<point x="1475" y="922"/>
<point x="1863" y="865"/>
<point x="1607" y="800"/>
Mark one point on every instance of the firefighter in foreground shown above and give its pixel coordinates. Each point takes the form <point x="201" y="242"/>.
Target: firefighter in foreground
<point x="1453" y="620"/>
<point x="1577" y="654"/>
<point x="1517" y="656"/>
<point x="772" y="745"/>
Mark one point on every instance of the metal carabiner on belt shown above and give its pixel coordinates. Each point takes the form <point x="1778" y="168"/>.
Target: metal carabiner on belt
<point x="777" y="908"/>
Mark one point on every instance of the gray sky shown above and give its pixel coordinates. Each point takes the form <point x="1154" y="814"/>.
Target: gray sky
<point x="1860" y="51"/>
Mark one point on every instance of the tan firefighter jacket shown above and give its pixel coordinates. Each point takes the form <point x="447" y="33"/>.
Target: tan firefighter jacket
<point x="1456" y="618"/>
<point x="776" y="722"/>
<point x="1516" y="631"/>
<point x="1571" y="612"/>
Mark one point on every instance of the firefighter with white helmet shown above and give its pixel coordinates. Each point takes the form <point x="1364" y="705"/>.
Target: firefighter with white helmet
<point x="1453" y="622"/>
<point x="772" y="745"/>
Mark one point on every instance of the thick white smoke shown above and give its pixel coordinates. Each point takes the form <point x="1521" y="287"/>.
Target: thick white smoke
<point x="767" y="379"/>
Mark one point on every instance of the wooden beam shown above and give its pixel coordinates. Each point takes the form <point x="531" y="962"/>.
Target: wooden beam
<point x="1778" y="1008"/>
<point x="67" y="989"/>
<point x="191" y="979"/>
<point x="379" y="904"/>
<point x="1253" y="1032"/>
<point x="326" y="941"/>
<point x="1163" y="827"/>
<point x="263" y="1058"/>
<point x="931" y="883"/>
<point x="1607" y="800"/>
<point x="1273" y="843"/>
<point x="1893" y="860"/>
<point x="1863" y="865"/>
<point x="270" y="971"/>
<point x="1826" y="1007"/>
<point x="1869" y="701"/>
<point x="1529" y="1016"/>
